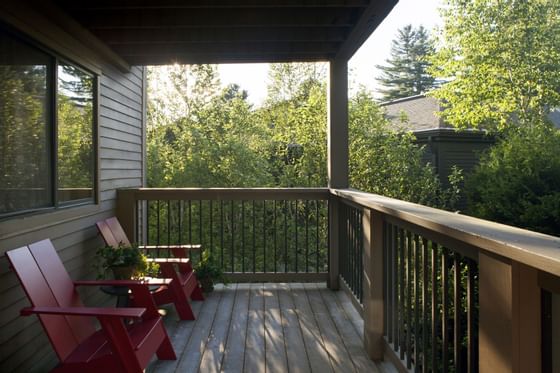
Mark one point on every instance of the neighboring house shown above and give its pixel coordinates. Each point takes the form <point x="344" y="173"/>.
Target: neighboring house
<point x="444" y="145"/>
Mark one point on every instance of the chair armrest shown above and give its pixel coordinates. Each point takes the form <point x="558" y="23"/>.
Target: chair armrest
<point x="165" y="247"/>
<point x="169" y="260"/>
<point x="85" y="311"/>
<point x="145" y="282"/>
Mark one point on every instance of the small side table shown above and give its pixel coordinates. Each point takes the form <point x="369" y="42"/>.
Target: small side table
<point x="123" y="292"/>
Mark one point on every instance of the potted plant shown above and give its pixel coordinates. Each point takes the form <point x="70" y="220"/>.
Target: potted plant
<point x="208" y="272"/>
<point x="125" y="261"/>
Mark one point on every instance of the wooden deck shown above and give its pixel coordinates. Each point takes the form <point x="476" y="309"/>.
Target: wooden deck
<point x="270" y="328"/>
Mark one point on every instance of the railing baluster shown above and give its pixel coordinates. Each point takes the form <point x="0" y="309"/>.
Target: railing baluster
<point x="190" y="222"/>
<point x="296" y="232"/>
<point x="408" y="299"/>
<point x="285" y="236"/>
<point x="232" y="239"/>
<point x="471" y="331"/>
<point x="254" y="238"/>
<point x="434" y="308"/>
<point x="169" y="222"/>
<point x="416" y="281"/>
<point x="425" y="333"/>
<point x="457" y="335"/>
<point x="317" y="218"/>
<point x="148" y="220"/>
<point x="402" y="304"/>
<point x="243" y="236"/>
<point x="211" y="248"/>
<point x="390" y="282"/>
<point x="306" y="236"/>
<point x="275" y="237"/>
<point x="179" y="222"/>
<point x="201" y="242"/>
<point x="264" y="235"/>
<point x="395" y="299"/>
<point x="445" y="309"/>
<point x="221" y="233"/>
<point x="158" y="226"/>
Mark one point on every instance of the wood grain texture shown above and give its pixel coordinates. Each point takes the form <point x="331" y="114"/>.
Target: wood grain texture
<point x="272" y="327"/>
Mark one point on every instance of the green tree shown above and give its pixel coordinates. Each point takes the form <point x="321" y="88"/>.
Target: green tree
<point x="518" y="181"/>
<point x="405" y="73"/>
<point x="501" y="62"/>
<point x="387" y="162"/>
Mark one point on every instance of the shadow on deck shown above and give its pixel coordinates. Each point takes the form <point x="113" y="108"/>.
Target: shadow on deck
<point x="270" y="327"/>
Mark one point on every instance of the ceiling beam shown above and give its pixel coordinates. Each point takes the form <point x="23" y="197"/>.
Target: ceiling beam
<point x="243" y="34"/>
<point x="373" y="15"/>
<point x="209" y="4"/>
<point x="226" y="58"/>
<point x="267" y="48"/>
<point x="204" y="18"/>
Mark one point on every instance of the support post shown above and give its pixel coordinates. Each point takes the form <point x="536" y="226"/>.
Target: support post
<point x="337" y="143"/>
<point x="372" y="224"/>
<point x="334" y="239"/>
<point x="510" y="316"/>
<point x="126" y="212"/>
<point x="338" y="124"/>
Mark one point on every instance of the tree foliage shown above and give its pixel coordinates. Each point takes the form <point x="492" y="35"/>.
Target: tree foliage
<point x="405" y="73"/>
<point x="501" y="60"/>
<point x="224" y="142"/>
<point x="518" y="181"/>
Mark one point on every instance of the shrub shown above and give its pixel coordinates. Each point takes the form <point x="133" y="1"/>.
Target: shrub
<point x="518" y="180"/>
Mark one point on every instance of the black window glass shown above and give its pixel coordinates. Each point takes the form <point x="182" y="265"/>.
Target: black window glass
<point x="25" y="165"/>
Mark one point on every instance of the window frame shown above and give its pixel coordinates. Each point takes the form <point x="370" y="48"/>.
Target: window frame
<point x="51" y="104"/>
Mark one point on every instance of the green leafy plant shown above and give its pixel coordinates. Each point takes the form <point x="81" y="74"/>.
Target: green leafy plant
<point x="518" y="180"/>
<point x="122" y="257"/>
<point x="209" y="272"/>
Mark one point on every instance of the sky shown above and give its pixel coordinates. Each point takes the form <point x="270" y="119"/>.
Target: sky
<point x="253" y="77"/>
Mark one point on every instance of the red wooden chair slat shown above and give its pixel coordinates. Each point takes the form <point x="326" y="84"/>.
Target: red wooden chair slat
<point x="117" y="230"/>
<point x="58" y="330"/>
<point x="115" y="348"/>
<point x="183" y="281"/>
<point x="61" y="286"/>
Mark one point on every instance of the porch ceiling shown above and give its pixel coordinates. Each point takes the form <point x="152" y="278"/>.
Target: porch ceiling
<point x="150" y="32"/>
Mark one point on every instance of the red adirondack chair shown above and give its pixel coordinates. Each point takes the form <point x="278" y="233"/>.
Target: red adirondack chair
<point x="179" y="269"/>
<point x="117" y="346"/>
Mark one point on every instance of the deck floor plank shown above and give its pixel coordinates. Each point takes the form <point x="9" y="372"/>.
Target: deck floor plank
<point x="253" y="328"/>
<point x="255" y="346"/>
<point x="215" y="347"/>
<point x="276" y="360"/>
<point x="347" y="331"/>
<point x="340" y="359"/>
<point x="235" y="346"/>
<point x="316" y="352"/>
<point x="192" y="354"/>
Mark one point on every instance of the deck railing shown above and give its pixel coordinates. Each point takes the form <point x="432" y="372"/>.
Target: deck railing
<point x="438" y="291"/>
<point x="444" y="292"/>
<point x="251" y="233"/>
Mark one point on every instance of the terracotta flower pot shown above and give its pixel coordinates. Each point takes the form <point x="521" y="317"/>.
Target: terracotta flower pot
<point x="122" y="273"/>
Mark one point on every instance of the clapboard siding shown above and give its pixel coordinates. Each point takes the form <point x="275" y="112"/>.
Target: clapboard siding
<point x="23" y="344"/>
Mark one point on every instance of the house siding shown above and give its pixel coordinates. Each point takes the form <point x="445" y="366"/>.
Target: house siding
<point x="23" y="344"/>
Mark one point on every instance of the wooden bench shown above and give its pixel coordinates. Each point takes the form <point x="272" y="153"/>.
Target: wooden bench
<point x="128" y="337"/>
<point x="183" y="285"/>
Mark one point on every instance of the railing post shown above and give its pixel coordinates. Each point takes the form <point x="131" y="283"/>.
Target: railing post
<point x="373" y="301"/>
<point x="334" y="241"/>
<point x="126" y="212"/>
<point x="510" y="316"/>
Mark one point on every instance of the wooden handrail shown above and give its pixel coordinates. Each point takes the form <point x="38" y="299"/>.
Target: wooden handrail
<point x="534" y="249"/>
<point x="228" y="193"/>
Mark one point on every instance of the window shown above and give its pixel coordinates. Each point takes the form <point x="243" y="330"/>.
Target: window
<point x="47" y="143"/>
